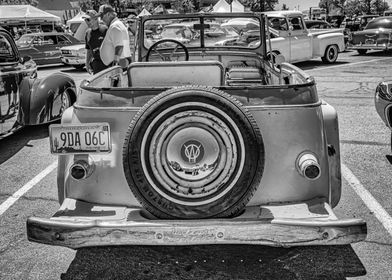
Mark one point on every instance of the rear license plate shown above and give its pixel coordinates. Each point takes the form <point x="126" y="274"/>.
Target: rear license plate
<point x="79" y="138"/>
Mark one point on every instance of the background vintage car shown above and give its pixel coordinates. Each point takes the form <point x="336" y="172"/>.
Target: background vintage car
<point x="25" y="99"/>
<point x="197" y="143"/>
<point x="44" y="48"/>
<point x="292" y="39"/>
<point x="377" y="35"/>
<point x="383" y="103"/>
<point x="74" y="55"/>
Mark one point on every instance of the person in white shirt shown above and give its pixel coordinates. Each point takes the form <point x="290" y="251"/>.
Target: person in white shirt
<point x="115" y="48"/>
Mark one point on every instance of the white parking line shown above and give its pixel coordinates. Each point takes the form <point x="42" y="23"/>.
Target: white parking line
<point x="349" y="64"/>
<point x="368" y="199"/>
<point x="19" y="193"/>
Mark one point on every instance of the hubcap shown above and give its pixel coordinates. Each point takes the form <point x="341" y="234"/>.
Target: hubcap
<point x="193" y="155"/>
<point x="332" y="53"/>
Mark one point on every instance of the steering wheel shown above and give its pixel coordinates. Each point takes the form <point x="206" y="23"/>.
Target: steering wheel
<point x="167" y="57"/>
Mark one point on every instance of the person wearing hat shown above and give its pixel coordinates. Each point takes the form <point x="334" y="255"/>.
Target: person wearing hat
<point x="132" y="31"/>
<point x="115" y="49"/>
<point x="95" y="35"/>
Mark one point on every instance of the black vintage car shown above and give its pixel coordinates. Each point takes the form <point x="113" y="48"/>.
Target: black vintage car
<point x="44" y="47"/>
<point x="377" y="35"/>
<point x="25" y="99"/>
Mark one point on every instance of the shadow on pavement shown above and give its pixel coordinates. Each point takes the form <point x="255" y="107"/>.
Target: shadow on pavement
<point x="11" y="144"/>
<point x="215" y="262"/>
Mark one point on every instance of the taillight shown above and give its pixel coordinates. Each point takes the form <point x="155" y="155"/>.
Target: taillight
<point x="308" y="166"/>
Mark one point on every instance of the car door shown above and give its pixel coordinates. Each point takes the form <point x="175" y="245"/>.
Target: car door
<point x="50" y="49"/>
<point x="300" y="40"/>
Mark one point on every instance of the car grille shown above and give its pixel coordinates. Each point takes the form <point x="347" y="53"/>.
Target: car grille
<point x="363" y="39"/>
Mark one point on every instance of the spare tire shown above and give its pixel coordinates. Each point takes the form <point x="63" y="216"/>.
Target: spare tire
<point x="193" y="152"/>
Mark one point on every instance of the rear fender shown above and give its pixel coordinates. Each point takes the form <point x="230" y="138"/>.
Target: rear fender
<point x="330" y="118"/>
<point x="322" y="41"/>
<point x="42" y="98"/>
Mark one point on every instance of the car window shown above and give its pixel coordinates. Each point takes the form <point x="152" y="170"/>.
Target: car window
<point x="5" y="48"/>
<point x="278" y="23"/>
<point x="25" y="40"/>
<point x="50" y="40"/>
<point x="296" y="23"/>
<point x="62" y="40"/>
<point x="379" y="23"/>
<point x="38" y="40"/>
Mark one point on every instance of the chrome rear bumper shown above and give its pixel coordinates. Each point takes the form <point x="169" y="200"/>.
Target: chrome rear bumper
<point x="79" y="224"/>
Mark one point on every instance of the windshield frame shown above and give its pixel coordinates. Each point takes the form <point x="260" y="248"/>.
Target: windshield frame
<point x="202" y="19"/>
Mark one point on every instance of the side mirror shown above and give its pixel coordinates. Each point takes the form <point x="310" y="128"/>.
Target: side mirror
<point x="291" y="28"/>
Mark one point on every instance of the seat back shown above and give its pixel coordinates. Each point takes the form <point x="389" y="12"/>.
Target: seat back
<point x="175" y="73"/>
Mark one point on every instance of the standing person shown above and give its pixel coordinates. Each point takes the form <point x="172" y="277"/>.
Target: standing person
<point x="132" y="30"/>
<point x="115" y="49"/>
<point x="94" y="38"/>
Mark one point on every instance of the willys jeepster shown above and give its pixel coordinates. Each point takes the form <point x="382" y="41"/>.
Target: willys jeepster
<point x="198" y="143"/>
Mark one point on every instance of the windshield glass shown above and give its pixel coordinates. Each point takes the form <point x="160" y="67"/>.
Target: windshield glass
<point x="25" y="40"/>
<point x="215" y="32"/>
<point x="379" y="23"/>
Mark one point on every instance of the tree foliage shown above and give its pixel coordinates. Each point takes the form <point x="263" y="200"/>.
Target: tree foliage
<point x="355" y="7"/>
<point x="184" y="6"/>
<point x="260" y="5"/>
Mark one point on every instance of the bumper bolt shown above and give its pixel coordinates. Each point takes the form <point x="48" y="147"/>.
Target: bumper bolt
<point x="57" y="236"/>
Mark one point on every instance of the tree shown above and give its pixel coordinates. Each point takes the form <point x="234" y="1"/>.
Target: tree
<point x="184" y="6"/>
<point x="356" y="7"/>
<point x="260" y="5"/>
<point x="328" y="5"/>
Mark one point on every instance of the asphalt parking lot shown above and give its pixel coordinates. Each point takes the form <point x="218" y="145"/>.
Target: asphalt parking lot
<point x="348" y="85"/>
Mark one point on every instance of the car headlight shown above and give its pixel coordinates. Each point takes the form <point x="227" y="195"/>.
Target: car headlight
<point x="384" y="90"/>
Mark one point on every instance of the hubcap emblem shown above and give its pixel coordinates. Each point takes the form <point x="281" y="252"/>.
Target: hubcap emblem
<point x="192" y="151"/>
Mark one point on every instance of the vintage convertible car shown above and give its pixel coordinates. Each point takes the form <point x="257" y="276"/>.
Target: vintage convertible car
<point x="44" y="48"/>
<point x="197" y="144"/>
<point x="377" y="35"/>
<point x="383" y="103"/>
<point x="25" y="99"/>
